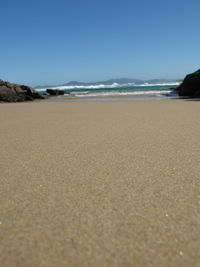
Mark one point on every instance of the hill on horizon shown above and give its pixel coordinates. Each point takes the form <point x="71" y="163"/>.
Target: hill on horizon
<point x="110" y="82"/>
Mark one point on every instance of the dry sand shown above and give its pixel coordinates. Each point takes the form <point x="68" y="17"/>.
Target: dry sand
<point x="100" y="184"/>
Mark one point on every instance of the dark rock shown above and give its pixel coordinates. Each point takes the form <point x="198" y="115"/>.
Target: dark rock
<point x="67" y="93"/>
<point x="190" y="87"/>
<point x="55" y="92"/>
<point x="10" y="92"/>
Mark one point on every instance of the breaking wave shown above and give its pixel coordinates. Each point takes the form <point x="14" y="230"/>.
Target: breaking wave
<point x="123" y="93"/>
<point x="110" y="86"/>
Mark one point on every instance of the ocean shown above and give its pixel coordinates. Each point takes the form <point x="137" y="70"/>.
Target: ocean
<point x="116" y="91"/>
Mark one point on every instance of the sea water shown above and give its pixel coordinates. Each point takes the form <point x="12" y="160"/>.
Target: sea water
<point x="116" y="91"/>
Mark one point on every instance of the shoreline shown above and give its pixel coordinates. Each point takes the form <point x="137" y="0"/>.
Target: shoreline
<point x="110" y="98"/>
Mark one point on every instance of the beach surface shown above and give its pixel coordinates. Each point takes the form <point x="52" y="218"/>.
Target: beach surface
<point x="100" y="184"/>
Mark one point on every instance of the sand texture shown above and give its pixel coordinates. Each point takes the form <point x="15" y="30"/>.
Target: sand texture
<point x="100" y="184"/>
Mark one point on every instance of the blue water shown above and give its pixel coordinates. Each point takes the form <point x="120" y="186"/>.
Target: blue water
<point x="116" y="92"/>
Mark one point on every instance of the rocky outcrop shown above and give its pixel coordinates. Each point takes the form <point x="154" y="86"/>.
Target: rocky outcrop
<point x="10" y="92"/>
<point x="190" y="87"/>
<point x="55" y="92"/>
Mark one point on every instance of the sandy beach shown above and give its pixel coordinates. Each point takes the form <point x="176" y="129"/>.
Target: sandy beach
<point x="100" y="184"/>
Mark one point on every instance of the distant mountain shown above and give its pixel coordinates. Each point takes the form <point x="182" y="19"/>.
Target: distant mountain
<point x="109" y="82"/>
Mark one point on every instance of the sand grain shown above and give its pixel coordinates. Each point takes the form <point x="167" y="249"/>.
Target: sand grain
<point x="100" y="184"/>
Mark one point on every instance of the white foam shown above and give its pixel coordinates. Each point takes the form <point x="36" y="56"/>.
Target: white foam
<point x="159" y="84"/>
<point x="70" y="87"/>
<point x="114" y="85"/>
<point x="125" y="93"/>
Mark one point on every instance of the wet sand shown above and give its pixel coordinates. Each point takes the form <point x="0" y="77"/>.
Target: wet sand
<point x="100" y="184"/>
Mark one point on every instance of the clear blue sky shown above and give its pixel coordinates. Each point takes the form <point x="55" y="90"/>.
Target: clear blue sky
<point x="55" y="41"/>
